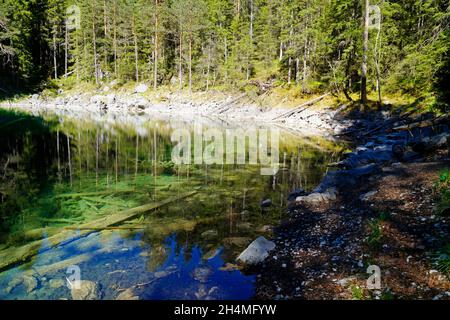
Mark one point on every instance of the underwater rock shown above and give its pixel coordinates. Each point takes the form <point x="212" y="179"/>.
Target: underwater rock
<point x="244" y="225"/>
<point x="266" y="203"/>
<point x="87" y="290"/>
<point x="127" y="295"/>
<point x="257" y="251"/>
<point x="236" y="241"/>
<point x="56" y="283"/>
<point x="211" y="254"/>
<point x="29" y="282"/>
<point x="229" y="267"/>
<point x="209" y="234"/>
<point x="162" y="274"/>
<point x="202" y="274"/>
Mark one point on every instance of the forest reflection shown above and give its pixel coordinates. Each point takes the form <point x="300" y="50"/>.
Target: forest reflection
<point x="59" y="173"/>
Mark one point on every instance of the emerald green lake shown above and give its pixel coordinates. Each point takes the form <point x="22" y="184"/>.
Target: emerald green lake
<point x="59" y="173"/>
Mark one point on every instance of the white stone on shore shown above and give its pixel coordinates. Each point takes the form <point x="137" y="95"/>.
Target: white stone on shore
<point x="257" y="251"/>
<point x="141" y="88"/>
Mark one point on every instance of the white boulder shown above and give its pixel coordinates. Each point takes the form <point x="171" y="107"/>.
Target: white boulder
<point x="257" y="251"/>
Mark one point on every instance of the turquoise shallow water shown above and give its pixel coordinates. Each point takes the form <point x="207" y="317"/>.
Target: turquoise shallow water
<point x="59" y="172"/>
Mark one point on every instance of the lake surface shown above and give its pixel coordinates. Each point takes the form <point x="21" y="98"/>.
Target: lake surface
<point x="59" y="172"/>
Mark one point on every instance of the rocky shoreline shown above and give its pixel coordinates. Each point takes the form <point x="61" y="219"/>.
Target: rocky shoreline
<point x="377" y="208"/>
<point x="225" y="109"/>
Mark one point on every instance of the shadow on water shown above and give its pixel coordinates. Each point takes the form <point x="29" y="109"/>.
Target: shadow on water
<point x="59" y="173"/>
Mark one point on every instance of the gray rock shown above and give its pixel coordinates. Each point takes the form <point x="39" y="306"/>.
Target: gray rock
<point x="137" y="102"/>
<point x="111" y="98"/>
<point x="257" y="251"/>
<point x="29" y="282"/>
<point x="162" y="274"/>
<point x="266" y="203"/>
<point x="87" y="290"/>
<point x="296" y="193"/>
<point x="210" y="234"/>
<point x="141" y="88"/>
<point x="327" y="195"/>
<point x="56" y="283"/>
<point x="202" y="274"/>
<point x="367" y="196"/>
<point x="127" y="295"/>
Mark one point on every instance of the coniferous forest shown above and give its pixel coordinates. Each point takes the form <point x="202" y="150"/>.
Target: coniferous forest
<point x="313" y="45"/>
<point x="225" y="150"/>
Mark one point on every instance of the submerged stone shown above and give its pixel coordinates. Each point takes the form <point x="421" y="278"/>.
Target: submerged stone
<point x="128" y="294"/>
<point x="202" y="274"/>
<point x="87" y="290"/>
<point x="266" y="203"/>
<point x="210" y="234"/>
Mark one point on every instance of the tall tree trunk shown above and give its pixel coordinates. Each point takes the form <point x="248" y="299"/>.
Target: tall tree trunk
<point x="136" y="55"/>
<point x="364" y="56"/>
<point x="208" y="68"/>
<point x="155" y="54"/>
<point x="94" y="44"/>
<point x="190" y="62"/>
<point x="251" y="20"/>
<point x="281" y="52"/>
<point x="289" y="70"/>
<point x="55" y="61"/>
<point x="305" y="65"/>
<point x="66" y="50"/>
<point x="115" y="37"/>
<point x="377" y="55"/>
<point x="180" y="61"/>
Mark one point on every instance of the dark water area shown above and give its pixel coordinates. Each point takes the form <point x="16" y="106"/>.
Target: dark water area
<point x="58" y="173"/>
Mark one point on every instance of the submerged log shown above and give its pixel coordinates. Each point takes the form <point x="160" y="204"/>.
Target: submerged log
<point x="92" y="194"/>
<point x="106" y="228"/>
<point x="16" y="255"/>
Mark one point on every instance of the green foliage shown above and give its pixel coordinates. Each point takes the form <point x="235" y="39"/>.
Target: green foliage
<point x="442" y="260"/>
<point x="313" y="45"/>
<point x="375" y="234"/>
<point x="442" y="187"/>
<point x="357" y="292"/>
<point x="384" y="216"/>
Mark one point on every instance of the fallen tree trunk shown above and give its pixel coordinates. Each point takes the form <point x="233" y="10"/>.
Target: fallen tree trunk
<point x="390" y="122"/>
<point x="105" y="228"/>
<point x="13" y="255"/>
<point x="422" y="123"/>
<point x="227" y="105"/>
<point x="92" y="194"/>
<point x="302" y="107"/>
